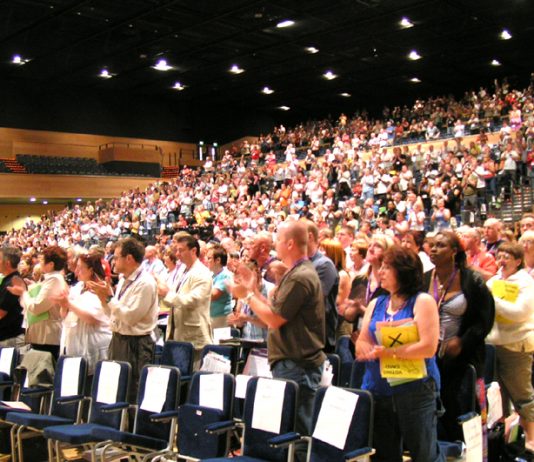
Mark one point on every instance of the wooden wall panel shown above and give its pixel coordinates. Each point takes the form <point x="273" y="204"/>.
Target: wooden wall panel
<point x="15" y="141"/>
<point x="67" y="187"/>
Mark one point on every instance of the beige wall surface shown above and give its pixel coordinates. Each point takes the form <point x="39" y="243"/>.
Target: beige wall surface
<point x="15" y="215"/>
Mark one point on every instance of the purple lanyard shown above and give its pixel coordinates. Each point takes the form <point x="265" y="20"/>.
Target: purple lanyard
<point x="368" y="294"/>
<point x="439" y="300"/>
<point x="127" y="284"/>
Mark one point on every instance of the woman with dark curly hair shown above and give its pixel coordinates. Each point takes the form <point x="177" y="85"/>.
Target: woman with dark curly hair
<point x="466" y="311"/>
<point x="405" y="412"/>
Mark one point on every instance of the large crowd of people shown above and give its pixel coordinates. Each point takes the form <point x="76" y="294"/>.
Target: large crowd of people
<point x="361" y="233"/>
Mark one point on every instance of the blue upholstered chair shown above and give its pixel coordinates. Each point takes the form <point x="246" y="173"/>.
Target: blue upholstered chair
<point x="345" y="351"/>
<point x="154" y="429"/>
<point x="210" y="401"/>
<point x="335" y="363"/>
<point x="257" y="439"/>
<point x="109" y="393"/>
<point x="8" y="362"/>
<point x="333" y="440"/>
<point x="180" y="355"/>
<point x="65" y="407"/>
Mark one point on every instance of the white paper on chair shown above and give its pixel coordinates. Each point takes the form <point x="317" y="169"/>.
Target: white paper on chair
<point x="494" y="404"/>
<point x="335" y="417"/>
<point x="257" y="365"/>
<point x="241" y="382"/>
<point x="70" y="376"/>
<point x="268" y="405"/>
<point x="214" y="362"/>
<point x="472" y="429"/>
<point x="108" y="382"/>
<point x="157" y="381"/>
<point x="6" y="357"/>
<point x="221" y="333"/>
<point x="211" y="391"/>
<point x="327" y="375"/>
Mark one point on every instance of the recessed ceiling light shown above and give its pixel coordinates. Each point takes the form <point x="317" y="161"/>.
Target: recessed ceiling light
<point x="285" y="23"/>
<point x="162" y="65"/>
<point x="235" y="69"/>
<point x="312" y="50"/>
<point x="495" y="62"/>
<point x="505" y="35"/>
<point x="267" y="91"/>
<point x="45" y="202"/>
<point x="284" y="108"/>
<point x="32" y="199"/>
<point x="415" y="80"/>
<point x="105" y="74"/>
<point x="414" y="56"/>
<point x="178" y="86"/>
<point x="19" y="60"/>
<point x="329" y="75"/>
<point x="405" y="23"/>
<point x="345" y="95"/>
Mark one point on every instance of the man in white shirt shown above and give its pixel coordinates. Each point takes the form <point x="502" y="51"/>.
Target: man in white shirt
<point x="152" y="263"/>
<point x="133" y="309"/>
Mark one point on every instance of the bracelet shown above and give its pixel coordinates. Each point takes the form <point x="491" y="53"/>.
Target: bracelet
<point x="248" y="297"/>
<point x="394" y="355"/>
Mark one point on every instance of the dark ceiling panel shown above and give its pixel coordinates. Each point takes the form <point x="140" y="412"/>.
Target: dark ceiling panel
<point x="68" y="42"/>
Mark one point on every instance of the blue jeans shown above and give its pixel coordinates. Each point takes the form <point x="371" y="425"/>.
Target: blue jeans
<point x="407" y="419"/>
<point x="308" y="381"/>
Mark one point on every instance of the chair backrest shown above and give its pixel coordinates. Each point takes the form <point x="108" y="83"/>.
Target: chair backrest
<point x="490" y="365"/>
<point x="468" y="391"/>
<point x="345" y="351"/>
<point x="228" y="351"/>
<point x="180" y="355"/>
<point x="334" y="361"/>
<point x="343" y="434"/>
<point x="8" y="361"/>
<point x="210" y="400"/>
<point x="69" y="380"/>
<point x="356" y="374"/>
<point x="270" y="410"/>
<point x="159" y="391"/>
<point x="110" y="385"/>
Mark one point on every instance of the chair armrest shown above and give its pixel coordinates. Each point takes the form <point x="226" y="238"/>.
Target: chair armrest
<point x="465" y="417"/>
<point x="218" y="428"/>
<point x="70" y="399"/>
<point x="357" y="453"/>
<point x="36" y="392"/>
<point x="6" y="383"/>
<point x="282" y="441"/>
<point x="115" y="407"/>
<point x="164" y="416"/>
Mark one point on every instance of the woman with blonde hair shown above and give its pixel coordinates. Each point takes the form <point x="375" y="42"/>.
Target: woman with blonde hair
<point x="366" y="287"/>
<point x="333" y="250"/>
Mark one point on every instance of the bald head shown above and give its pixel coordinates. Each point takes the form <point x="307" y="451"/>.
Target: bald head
<point x="298" y="231"/>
